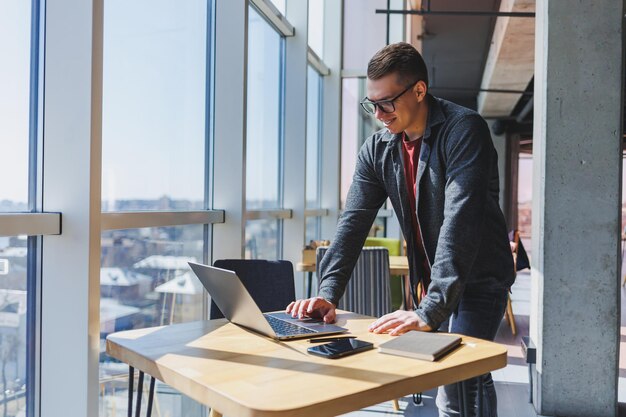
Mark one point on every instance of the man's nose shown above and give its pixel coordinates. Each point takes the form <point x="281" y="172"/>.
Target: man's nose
<point x="378" y="113"/>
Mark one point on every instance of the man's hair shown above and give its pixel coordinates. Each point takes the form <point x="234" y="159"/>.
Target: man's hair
<point x="401" y="59"/>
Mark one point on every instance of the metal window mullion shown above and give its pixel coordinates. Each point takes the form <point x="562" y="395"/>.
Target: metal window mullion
<point x="31" y="224"/>
<point x="273" y="16"/>
<point x="268" y="214"/>
<point x="142" y="219"/>
<point x="316" y="212"/>
<point x="317" y="63"/>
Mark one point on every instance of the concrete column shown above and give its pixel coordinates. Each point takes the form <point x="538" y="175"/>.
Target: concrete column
<point x="576" y="207"/>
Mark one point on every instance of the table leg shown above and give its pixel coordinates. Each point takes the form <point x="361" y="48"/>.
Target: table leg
<point x="150" y="397"/>
<point x="214" y="413"/>
<point x="131" y="376"/>
<point x="463" y="400"/>
<point x="407" y="298"/>
<point x="310" y="284"/>
<point x="139" y="392"/>
<point x="479" y="397"/>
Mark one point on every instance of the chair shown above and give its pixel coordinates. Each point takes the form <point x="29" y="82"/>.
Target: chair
<point x="396" y="283"/>
<point x="270" y="283"/>
<point x="368" y="290"/>
<point x="520" y="261"/>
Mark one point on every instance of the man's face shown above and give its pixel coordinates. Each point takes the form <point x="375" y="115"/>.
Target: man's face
<point x="407" y="107"/>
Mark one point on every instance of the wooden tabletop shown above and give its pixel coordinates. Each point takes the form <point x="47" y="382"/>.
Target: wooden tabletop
<point x="398" y="265"/>
<point x="240" y="373"/>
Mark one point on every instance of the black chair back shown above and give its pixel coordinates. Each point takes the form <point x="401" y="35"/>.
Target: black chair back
<point x="270" y="283"/>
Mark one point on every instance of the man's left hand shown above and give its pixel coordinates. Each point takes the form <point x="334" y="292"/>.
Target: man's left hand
<point x="398" y="322"/>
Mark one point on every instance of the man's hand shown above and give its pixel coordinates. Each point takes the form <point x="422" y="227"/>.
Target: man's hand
<point x="315" y="307"/>
<point x="398" y="322"/>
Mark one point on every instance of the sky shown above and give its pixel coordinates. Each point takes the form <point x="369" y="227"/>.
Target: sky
<point x="14" y="91"/>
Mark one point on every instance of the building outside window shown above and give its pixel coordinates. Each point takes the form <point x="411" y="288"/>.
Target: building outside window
<point x="155" y="89"/>
<point x="264" y="136"/>
<point x="17" y="253"/>
<point x="313" y="153"/>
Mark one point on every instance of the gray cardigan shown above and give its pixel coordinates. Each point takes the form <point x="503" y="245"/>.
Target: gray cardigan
<point x="463" y="229"/>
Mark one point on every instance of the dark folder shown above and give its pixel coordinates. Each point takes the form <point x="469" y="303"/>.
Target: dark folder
<point x="421" y="345"/>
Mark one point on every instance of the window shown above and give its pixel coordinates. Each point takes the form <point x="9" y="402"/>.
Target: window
<point x="316" y="26"/>
<point x="15" y="37"/>
<point x="154" y="158"/>
<point x="145" y="281"/>
<point x="359" y="45"/>
<point x="356" y="126"/>
<point x="313" y="153"/>
<point x="264" y="135"/>
<point x="154" y="105"/>
<point x="18" y="318"/>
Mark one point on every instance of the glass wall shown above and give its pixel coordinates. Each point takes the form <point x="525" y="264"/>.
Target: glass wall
<point x="264" y="134"/>
<point x="360" y="44"/>
<point x="316" y="26"/>
<point x="313" y="152"/>
<point x="356" y="126"/>
<point x="17" y="323"/>
<point x="15" y="39"/>
<point x="154" y="157"/>
<point x="13" y="324"/>
<point x="145" y="281"/>
<point x="154" y="109"/>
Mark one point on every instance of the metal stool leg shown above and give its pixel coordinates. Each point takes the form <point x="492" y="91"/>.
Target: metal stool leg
<point x="139" y="392"/>
<point x="150" y="397"/>
<point x="479" y="397"/>
<point x="463" y="400"/>
<point x="310" y="284"/>
<point x="131" y="376"/>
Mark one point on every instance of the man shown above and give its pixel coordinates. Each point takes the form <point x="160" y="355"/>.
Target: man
<point x="436" y="162"/>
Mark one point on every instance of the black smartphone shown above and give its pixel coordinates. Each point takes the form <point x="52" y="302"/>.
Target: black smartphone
<point x="340" y="348"/>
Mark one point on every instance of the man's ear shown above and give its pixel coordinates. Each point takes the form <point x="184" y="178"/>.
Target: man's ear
<point x="420" y="90"/>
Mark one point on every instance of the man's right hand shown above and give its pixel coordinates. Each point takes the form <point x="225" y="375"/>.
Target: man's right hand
<point x="315" y="307"/>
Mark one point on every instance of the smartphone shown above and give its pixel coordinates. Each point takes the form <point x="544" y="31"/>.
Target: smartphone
<point x="340" y="348"/>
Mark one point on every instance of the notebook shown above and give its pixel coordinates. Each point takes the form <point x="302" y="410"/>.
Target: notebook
<point x="421" y="345"/>
<point x="231" y="296"/>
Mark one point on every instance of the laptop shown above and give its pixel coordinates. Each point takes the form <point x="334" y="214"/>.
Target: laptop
<point x="232" y="297"/>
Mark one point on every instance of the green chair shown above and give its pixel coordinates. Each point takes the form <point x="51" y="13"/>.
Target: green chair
<point x="395" y="285"/>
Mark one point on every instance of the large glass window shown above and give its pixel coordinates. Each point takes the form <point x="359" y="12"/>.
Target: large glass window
<point x="145" y="281"/>
<point x="13" y="322"/>
<point x="264" y="135"/>
<point x="17" y="315"/>
<point x="154" y="146"/>
<point x="316" y="26"/>
<point x="154" y="105"/>
<point x="358" y="44"/>
<point x="313" y="153"/>
<point x="15" y="27"/>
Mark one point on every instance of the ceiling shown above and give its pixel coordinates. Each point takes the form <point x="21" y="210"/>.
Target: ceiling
<point x="467" y="53"/>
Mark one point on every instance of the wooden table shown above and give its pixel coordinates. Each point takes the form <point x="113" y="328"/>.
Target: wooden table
<point x="242" y="374"/>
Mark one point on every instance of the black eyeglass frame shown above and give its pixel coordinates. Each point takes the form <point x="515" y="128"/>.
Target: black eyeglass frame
<point x="380" y="103"/>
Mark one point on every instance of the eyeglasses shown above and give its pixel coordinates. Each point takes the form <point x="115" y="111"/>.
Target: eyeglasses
<point x="386" y="106"/>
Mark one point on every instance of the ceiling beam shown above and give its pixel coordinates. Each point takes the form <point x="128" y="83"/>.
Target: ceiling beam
<point x="511" y="58"/>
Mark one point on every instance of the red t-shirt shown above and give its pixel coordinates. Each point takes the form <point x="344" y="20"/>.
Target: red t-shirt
<point x="411" y="156"/>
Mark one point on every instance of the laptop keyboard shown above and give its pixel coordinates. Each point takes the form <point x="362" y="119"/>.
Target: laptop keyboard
<point x="285" y="328"/>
